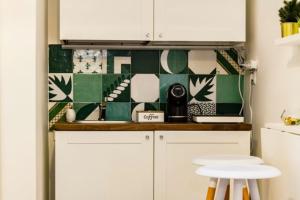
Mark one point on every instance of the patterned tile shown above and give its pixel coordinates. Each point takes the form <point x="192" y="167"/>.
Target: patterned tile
<point x="232" y="109"/>
<point x="204" y="62"/>
<point x="118" y="111"/>
<point x="60" y="60"/>
<point x="139" y="79"/>
<point x="145" y="62"/>
<point x="87" y="111"/>
<point x="118" y="62"/>
<point x="202" y="88"/>
<point x="145" y="88"/>
<point x="57" y="112"/>
<point x="208" y="109"/>
<point x="87" y="88"/>
<point x="116" y="87"/>
<point x="89" y="61"/>
<point x="166" y="80"/>
<point x="174" y="62"/>
<point x="228" y="88"/>
<point x="60" y="87"/>
<point x="142" y="107"/>
<point x="228" y="60"/>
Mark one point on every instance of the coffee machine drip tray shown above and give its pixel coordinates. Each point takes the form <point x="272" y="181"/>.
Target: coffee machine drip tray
<point x="218" y="119"/>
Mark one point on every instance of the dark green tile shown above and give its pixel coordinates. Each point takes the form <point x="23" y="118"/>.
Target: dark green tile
<point x="86" y="111"/>
<point x="166" y="80"/>
<point x="116" y="87"/>
<point x="228" y="88"/>
<point x="87" y="88"/>
<point x="202" y="88"/>
<point x="60" y="60"/>
<point x="118" y="111"/>
<point x="174" y="62"/>
<point x="230" y="109"/>
<point x="145" y="62"/>
<point x="111" y="65"/>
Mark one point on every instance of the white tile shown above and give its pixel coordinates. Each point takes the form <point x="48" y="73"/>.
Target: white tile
<point x="145" y="88"/>
<point x="202" y="62"/>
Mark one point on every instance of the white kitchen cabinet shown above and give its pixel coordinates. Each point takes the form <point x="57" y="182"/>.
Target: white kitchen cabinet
<point x="138" y="165"/>
<point x="200" y="20"/>
<point x="104" y="165"/>
<point x="280" y="147"/>
<point x="175" y="177"/>
<point x="153" y="20"/>
<point x="106" y="20"/>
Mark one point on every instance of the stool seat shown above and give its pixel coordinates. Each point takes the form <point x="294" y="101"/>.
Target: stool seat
<point x="227" y="160"/>
<point x="239" y="171"/>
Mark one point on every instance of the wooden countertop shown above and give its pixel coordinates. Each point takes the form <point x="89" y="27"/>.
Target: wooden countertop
<point x="152" y="127"/>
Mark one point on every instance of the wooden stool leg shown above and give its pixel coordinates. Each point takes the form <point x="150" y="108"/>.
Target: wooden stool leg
<point x="245" y="191"/>
<point x="253" y="189"/>
<point x="222" y="187"/>
<point x="211" y="189"/>
<point x="238" y="189"/>
<point x="227" y="192"/>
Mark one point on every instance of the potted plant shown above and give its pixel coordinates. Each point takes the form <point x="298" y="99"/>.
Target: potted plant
<point x="289" y="17"/>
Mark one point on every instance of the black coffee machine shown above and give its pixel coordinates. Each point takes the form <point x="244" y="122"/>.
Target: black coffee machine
<point x="177" y="103"/>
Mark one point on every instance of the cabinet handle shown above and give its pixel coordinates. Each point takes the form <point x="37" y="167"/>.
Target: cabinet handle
<point x="147" y="35"/>
<point x="160" y="35"/>
<point x="161" y="137"/>
<point x="147" y="137"/>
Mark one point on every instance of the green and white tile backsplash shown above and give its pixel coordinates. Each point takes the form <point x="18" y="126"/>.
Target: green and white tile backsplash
<point x="138" y="80"/>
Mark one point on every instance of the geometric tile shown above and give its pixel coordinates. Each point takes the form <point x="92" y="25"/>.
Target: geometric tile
<point x="87" y="88"/>
<point x="145" y="88"/>
<point x="142" y="107"/>
<point x="60" y="60"/>
<point x="60" y="87"/>
<point x="116" y="87"/>
<point x="145" y="62"/>
<point x="231" y="109"/>
<point x="173" y="62"/>
<point x="228" y="88"/>
<point x="166" y="80"/>
<point x="202" y="62"/>
<point x="118" y="111"/>
<point x="118" y="62"/>
<point x="57" y="113"/>
<point x="202" y="88"/>
<point x="89" y="61"/>
<point x="87" y="111"/>
<point x="228" y="60"/>
<point x="208" y="109"/>
<point x="201" y="109"/>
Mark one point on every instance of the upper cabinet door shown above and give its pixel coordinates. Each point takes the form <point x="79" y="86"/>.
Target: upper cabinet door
<point x="200" y="20"/>
<point x="106" y="20"/>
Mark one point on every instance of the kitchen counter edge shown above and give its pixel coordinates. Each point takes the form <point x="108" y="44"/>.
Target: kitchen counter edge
<point x="153" y="127"/>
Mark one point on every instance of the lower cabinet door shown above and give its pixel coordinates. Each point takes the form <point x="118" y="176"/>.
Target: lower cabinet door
<point x="104" y="165"/>
<point x="175" y="177"/>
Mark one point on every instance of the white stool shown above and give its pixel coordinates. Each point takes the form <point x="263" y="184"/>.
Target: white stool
<point x="224" y="160"/>
<point x="239" y="173"/>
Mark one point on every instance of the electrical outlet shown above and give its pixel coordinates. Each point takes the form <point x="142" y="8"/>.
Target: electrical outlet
<point x="253" y="77"/>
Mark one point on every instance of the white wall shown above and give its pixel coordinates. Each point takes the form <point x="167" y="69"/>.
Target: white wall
<point x="278" y="86"/>
<point x="22" y="97"/>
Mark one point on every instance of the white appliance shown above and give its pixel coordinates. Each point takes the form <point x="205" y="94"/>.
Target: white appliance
<point x="281" y="147"/>
<point x="218" y="119"/>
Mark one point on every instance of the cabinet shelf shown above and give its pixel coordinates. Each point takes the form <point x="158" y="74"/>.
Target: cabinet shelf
<point x="293" y="40"/>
